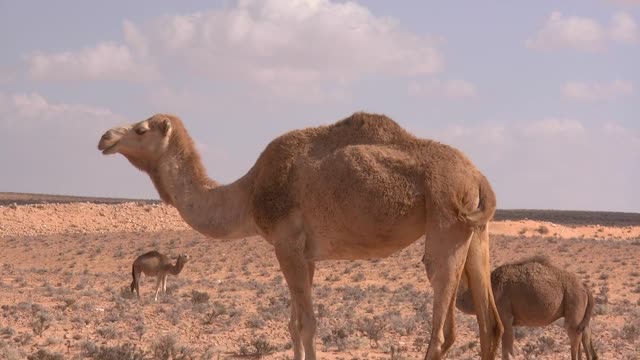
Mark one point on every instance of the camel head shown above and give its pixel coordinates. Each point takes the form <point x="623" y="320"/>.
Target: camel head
<point x="183" y="259"/>
<point x="142" y="143"/>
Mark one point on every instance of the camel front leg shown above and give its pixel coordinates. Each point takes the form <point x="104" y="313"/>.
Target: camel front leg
<point x="158" y="285"/>
<point x="445" y="253"/>
<point x="164" y="283"/>
<point x="478" y="272"/>
<point x="507" y="336"/>
<point x="298" y="273"/>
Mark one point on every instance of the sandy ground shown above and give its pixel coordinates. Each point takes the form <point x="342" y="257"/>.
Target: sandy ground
<point x="65" y="271"/>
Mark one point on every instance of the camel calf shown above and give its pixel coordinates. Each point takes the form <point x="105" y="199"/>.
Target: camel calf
<point x="155" y="264"/>
<point x="535" y="293"/>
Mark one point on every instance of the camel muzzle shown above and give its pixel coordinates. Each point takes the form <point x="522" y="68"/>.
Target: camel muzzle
<point x="110" y="139"/>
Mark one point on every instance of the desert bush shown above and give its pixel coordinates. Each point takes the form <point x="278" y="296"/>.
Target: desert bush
<point x="166" y="347"/>
<point x="373" y="328"/>
<point x="108" y="332"/>
<point x="256" y="348"/>
<point x="68" y="302"/>
<point x="23" y="338"/>
<point x="41" y="322"/>
<point x="140" y="329"/>
<point x="7" y="331"/>
<point x="119" y="352"/>
<point x="198" y="297"/>
<point x="630" y="333"/>
<point x="255" y="321"/>
<point x="338" y="338"/>
<point x="43" y="354"/>
<point x="543" y="230"/>
<point x="278" y="308"/>
<point x="352" y="293"/>
<point x="175" y="314"/>
<point x="9" y="353"/>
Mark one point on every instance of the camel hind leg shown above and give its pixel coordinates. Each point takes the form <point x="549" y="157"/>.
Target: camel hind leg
<point x="135" y="283"/>
<point x="590" y="352"/>
<point x="445" y="253"/>
<point x="478" y="273"/>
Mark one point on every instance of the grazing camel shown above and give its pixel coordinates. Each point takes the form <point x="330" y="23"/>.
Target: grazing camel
<point x="533" y="292"/>
<point x="155" y="264"/>
<point x="357" y="189"/>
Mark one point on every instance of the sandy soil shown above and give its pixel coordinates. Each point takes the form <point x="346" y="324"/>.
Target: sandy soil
<point x="65" y="270"/>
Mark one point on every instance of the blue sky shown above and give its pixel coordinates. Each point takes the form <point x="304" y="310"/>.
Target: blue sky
<point x="542" y="96"/>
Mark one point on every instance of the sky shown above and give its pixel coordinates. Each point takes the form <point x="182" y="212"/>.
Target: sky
<point x="542" y="95"/>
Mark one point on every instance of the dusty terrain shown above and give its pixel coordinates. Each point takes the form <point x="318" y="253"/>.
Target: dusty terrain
<point x="65" y="270"/>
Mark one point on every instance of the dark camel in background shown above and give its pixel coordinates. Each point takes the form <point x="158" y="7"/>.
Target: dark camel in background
<point x="533" y="292"/>
<point x="155" y="264"/>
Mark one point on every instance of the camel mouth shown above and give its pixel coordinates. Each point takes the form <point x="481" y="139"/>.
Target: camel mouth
<point x="107" y="145"/>
<point x="109" y="141"/>
<point x="109" y="150"/>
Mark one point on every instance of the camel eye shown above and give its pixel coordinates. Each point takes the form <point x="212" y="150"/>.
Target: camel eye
<point x="141" y="131"/>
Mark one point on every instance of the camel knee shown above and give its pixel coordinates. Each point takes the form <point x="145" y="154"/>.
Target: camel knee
<point x="449" y="339"/>
<point x="308" y="326"/>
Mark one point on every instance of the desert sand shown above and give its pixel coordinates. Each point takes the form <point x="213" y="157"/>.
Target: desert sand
<point x="66" y="269"/>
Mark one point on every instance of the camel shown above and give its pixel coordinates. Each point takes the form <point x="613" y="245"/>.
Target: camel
<point x="533" y="292"/>
<point x="360" y="188"/>
<point x="155" y="264"/>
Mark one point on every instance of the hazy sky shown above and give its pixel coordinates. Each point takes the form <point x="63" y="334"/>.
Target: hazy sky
<point x="542" y="95"/>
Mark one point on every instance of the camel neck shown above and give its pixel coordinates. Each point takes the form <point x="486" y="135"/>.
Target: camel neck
<point x="176" y="269"/>
<point x="218" y="211"/>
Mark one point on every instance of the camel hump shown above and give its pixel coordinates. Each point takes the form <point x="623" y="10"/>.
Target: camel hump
<point x="538" y="259"/>
<point x="362" y="127"/>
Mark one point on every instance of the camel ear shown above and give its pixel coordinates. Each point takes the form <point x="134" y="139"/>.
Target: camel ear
<point x="165" y="126"/>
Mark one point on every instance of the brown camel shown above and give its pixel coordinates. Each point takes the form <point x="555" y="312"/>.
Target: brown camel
<point x="360" y="188"/>
<point x="155" y="264"/>
<point x="533" y="292"/>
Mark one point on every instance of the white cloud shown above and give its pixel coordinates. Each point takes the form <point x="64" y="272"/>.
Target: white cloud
<point x="553" y="163"/>
<point x="624" y="28"/>
<point x="572" y="32"/>
<point x="105" y="61"/>
<point x="583" y="33"/>
<point x="7" y="76"/>
<point x="626" y="2"/>
<point x="26" y="110"/>
<point x="290" y="47"/>
<point x="295" y="41"/>
<point x="594" y="91"/>
<point x="439" y="88"/>
<point x="553" y="127"/>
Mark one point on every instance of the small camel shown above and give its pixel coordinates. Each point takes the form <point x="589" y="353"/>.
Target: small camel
<point x="360" y="188"/>
<point x="155" y="264"/>
<point x="533" y="292"/>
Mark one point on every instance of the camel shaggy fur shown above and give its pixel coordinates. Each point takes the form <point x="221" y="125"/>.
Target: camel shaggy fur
<point x="533" y="292"/>
<point x="360" y="188"/>
<point x="155" y="264"/>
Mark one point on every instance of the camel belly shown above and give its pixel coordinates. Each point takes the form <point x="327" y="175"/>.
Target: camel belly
<point x="355" y="240"/>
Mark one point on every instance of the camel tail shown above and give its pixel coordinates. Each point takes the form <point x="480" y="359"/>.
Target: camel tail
<point x="486" y="207"/>
<point x="587" y="313"/>
<point x="133" y="274"/>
